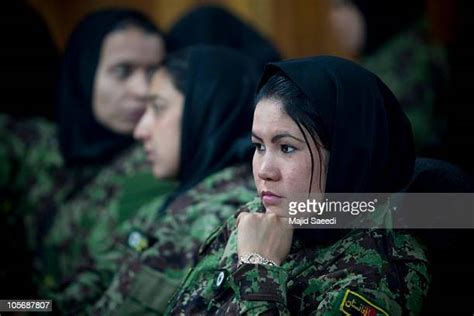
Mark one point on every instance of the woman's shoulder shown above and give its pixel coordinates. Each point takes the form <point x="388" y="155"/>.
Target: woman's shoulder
<point x="373" y="249"/>
<point x="387" y="269"/>
<point x="29" y="153"/>
<point x="31" y="131"/>
<point x="229" y="176"/>
<point x="129" y="162"/>
<point x="233" y="186"/>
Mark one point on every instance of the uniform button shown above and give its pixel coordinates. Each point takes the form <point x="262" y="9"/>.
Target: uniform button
<point x="137" y="241"/>
<point x="220" y="278"/>
<point x="134" y="239"/>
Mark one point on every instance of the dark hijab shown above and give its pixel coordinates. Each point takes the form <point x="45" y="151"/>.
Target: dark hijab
<point x="83" y="140"/>
<point x="212" y="25"/>
<point x="359" y="121"/>
<point x="217" y="115"/>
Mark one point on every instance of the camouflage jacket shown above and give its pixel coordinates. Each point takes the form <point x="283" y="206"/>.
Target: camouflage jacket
<point x="110" y="197"/>
<point x="367" y="272"/>
<point x="137" y="269"/>
<point x="52" y="210"/>
<point x="415" y="70"/>
<point x="33" y="181"/>
<point x="32" y="174"/>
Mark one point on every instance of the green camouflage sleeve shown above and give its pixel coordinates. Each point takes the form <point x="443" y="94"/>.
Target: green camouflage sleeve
<point x="260" y="289"/>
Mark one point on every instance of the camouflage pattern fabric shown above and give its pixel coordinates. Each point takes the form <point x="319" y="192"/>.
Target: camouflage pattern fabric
<point x="415" y="70"/>
<point x="51" y="211"/>
<point x="32" y="168"/>
<point x="367" y="272"/>
<point x="99" y="207"/>
<point x="33" y="182"/>
<point x="152" y="250"/>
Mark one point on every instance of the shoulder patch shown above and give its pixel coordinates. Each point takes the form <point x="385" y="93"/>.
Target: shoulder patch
<point x="355" y="304"/>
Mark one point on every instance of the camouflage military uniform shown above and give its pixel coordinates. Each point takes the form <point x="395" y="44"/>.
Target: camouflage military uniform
<point x="152" y="250"/>
<point x="99" y="208"/>
<point x="59" y="206"/>
<point x="32" y="166"/>
<point x="415" y="71"/>
<point x="33" y="182"/>
<point x="364" y="273"/>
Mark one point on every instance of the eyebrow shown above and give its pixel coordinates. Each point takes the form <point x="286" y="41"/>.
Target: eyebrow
<point x="279" y="136"/>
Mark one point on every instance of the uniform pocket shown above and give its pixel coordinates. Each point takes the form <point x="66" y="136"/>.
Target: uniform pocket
<point x="153" y="289"/>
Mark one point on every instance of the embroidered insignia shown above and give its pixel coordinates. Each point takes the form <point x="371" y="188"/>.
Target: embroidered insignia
<point x="355" y="304"/>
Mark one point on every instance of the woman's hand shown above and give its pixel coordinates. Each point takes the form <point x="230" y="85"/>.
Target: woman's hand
<point x="264" y="233"/>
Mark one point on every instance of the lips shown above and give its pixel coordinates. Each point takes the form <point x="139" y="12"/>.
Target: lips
<point x="149" y="154"/>
<point x="270" y="198"/>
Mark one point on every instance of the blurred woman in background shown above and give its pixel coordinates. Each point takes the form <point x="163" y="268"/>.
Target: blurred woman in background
<point x="101" y="96"/>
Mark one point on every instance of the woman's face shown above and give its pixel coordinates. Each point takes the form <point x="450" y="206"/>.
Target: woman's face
<point x="282" y="161"/>
<point x="159" y="129"/>
<point x="127" y="59"/>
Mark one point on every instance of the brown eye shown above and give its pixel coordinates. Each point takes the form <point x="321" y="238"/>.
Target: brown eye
<point x="259" y="147"/>
<point x="287" y="149"/>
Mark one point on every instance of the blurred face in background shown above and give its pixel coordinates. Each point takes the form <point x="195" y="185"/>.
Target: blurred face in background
<point x="160" y="127"/>
<point x="348" y="28"/>
<point x="127" y="60"/>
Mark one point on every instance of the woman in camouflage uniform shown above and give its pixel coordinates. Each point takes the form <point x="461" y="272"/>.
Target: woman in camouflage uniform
<point x="325" y="124"/>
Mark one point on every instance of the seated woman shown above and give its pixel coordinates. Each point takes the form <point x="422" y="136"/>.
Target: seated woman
<point x="321" y="124"/>
<point x="196" y="131"/>
<point x="101" y="96"/>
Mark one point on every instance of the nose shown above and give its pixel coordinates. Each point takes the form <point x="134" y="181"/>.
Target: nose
<point x="268" y="168"/>
<point x="142" y="130"/>
<point x="138" y="84"/>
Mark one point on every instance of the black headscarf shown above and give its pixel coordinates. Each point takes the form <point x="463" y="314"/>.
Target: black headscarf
<point x="212" y="25"/>
<point x="83" y="140"/>
<point x="217" y="114"/>
<point x="359" y="121"/>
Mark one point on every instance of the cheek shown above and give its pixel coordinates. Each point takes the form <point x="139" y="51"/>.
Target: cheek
<point x="176" y="137"/>
<point x="108" y="92"/>
<point x="255" y="168"/>
<point x="297" y="173"/>
<point x="167" y="139"/>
